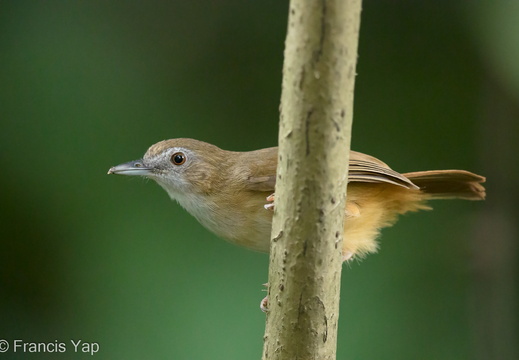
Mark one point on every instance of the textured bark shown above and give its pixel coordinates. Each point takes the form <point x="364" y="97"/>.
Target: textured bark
<point x="314" y="143"/>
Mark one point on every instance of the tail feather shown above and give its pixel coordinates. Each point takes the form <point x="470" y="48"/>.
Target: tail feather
<point x="448" y="184"/>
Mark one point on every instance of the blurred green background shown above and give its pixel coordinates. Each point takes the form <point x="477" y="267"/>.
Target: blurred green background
<point x="85" y="85"/>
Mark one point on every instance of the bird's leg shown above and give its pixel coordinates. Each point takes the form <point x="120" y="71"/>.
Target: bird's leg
<point x="347" y="255"/>
<point x="264" y="304"/>
<point x="270" y="199"/>
<point x="352" y="211"/>
<point x="265" y="301"/>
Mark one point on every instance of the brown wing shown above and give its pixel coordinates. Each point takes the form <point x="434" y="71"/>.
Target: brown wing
<point x="363" y="168"/>
<point x="261" y="176"/>
<point x="262" y="183"/>
<point x="366" y="168"/>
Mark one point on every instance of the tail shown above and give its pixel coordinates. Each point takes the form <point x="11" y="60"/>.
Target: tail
<point x="449" y="184"/>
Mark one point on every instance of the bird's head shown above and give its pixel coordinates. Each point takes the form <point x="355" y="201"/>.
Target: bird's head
<point x="180" y="166"/>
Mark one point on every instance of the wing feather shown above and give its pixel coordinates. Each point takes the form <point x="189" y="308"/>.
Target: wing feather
<point x="362" y="168"/>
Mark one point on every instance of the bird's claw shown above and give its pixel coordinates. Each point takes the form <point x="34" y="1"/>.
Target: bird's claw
<point x="264" y="304"/>
<point x="270" y="206"/>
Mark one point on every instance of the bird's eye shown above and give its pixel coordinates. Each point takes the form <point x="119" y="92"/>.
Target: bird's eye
<point x="178" y="158"/>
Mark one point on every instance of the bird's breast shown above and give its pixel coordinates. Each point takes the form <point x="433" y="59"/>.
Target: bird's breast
<point x="242" y="222"/>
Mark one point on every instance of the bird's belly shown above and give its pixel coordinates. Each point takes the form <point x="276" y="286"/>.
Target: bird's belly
<point x="245" y="222"/>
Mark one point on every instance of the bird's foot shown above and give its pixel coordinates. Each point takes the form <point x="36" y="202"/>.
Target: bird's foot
<point x="270" y="206"/>
<point x="352" y="209"/>
<point x="347" y="255"/>
<point x="264" y="304"/>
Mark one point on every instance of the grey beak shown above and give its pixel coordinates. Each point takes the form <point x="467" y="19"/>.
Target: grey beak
<point x="135" y="167"/>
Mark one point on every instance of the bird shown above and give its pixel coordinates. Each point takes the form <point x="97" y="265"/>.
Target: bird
<point x="232" y="193"/>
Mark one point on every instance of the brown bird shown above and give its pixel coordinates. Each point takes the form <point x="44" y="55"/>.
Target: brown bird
<point x="227" y="191"/>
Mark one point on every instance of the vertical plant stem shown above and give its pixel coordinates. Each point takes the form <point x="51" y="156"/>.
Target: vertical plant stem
<point x="314" y="143"/>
